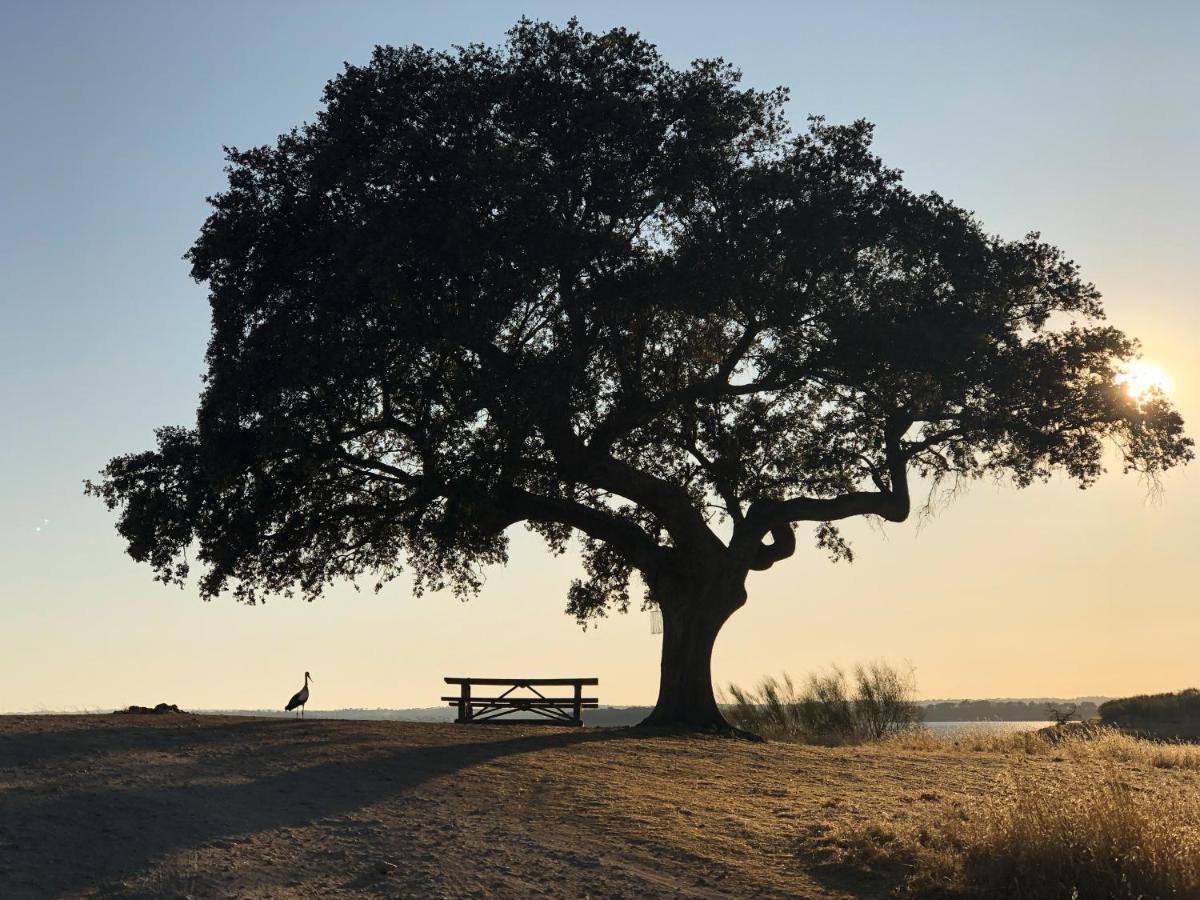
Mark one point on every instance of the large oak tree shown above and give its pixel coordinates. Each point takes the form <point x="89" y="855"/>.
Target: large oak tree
<point x="560" y="282"/>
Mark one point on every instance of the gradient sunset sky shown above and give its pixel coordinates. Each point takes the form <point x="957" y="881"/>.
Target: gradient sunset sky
<point x="1080" y="120"/>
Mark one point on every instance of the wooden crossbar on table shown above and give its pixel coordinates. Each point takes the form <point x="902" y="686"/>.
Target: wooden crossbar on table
<point x="547" y="710"/>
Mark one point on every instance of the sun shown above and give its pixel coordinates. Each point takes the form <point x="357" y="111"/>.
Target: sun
<point x="1141" y="377"/>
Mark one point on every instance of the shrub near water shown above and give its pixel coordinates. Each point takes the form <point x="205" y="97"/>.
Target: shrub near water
<point x="825" y="710"/>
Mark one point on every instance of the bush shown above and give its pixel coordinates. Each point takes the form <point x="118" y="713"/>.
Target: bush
<point x="885" y="701"/>
<point x="1162" y="715"/>
<point x="825" y="711"/>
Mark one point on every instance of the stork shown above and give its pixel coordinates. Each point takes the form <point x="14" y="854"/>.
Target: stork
<point x="300" y="697"/>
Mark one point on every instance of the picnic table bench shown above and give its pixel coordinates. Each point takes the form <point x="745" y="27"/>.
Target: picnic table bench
<point x="546" y="710"/>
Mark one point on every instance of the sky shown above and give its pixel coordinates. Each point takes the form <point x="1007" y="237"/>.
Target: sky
<point x="1079" y="120"/>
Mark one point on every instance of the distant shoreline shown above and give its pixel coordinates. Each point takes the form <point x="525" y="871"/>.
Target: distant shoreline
<point x="934" y="711"/>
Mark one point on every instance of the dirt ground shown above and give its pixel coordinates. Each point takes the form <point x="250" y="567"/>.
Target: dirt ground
<point x="207" y="806"/>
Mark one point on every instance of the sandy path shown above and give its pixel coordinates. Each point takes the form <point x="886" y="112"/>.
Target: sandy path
<point x="209" y="806"/>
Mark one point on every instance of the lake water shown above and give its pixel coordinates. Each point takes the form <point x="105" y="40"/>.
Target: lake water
<point x="998" y="727"/>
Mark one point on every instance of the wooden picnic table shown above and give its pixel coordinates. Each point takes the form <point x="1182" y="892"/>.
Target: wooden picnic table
<point x="522" y="695"/>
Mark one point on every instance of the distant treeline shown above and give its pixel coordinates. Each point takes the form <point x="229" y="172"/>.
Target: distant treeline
<point x="1161" y="715"/>
<point x="1002" y="710"/>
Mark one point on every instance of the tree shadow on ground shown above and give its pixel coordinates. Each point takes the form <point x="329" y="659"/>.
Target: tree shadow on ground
<point x="849" y="881"/>
<point x="104" y="834"/>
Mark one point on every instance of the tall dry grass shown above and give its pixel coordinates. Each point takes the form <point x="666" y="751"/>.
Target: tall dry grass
<point x="1102" y="744"/>
<point x="828" y="708"/>
<point x="1088" y="830"/>
<point x="1091" y="837"/>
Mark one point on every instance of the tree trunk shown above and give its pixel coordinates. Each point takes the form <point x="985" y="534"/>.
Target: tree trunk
<point x="685" y="691"/>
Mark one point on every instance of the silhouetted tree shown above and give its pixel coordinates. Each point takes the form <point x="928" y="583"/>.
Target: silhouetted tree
<point x="561" y="282"/>
<point x="1061" y="715"/>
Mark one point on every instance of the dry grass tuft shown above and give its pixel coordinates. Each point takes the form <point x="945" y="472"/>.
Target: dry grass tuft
<point x="1098" y="744"/>
<point x="1092" y="834"/>
<point x="1097" y="838"/>
<point x="1112" y="744"/>
<point x="828" y="708"/>
<point x="969" y="739"/>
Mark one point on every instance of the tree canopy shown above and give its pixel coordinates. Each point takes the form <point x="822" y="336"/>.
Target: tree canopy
<point x="564" y="283"/>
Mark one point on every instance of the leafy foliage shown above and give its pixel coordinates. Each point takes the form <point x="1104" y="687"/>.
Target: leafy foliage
<point x="1167" y="715"/>
<point x="561" y="282"/>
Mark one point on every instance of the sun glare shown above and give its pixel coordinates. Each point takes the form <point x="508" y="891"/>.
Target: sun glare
<point x="1141" y="377"/>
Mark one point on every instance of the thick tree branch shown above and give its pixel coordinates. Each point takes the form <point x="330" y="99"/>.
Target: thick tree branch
<point x="891" y="504"/>
<point x="631" y="414"/>
<point x="783" y="545"/>
<point x="376" y="467"/>
<point x="723" y="488"/>
<point x="620" y="534"/>
<point x="668" y="502"/>
<point x="774" y="517"/>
